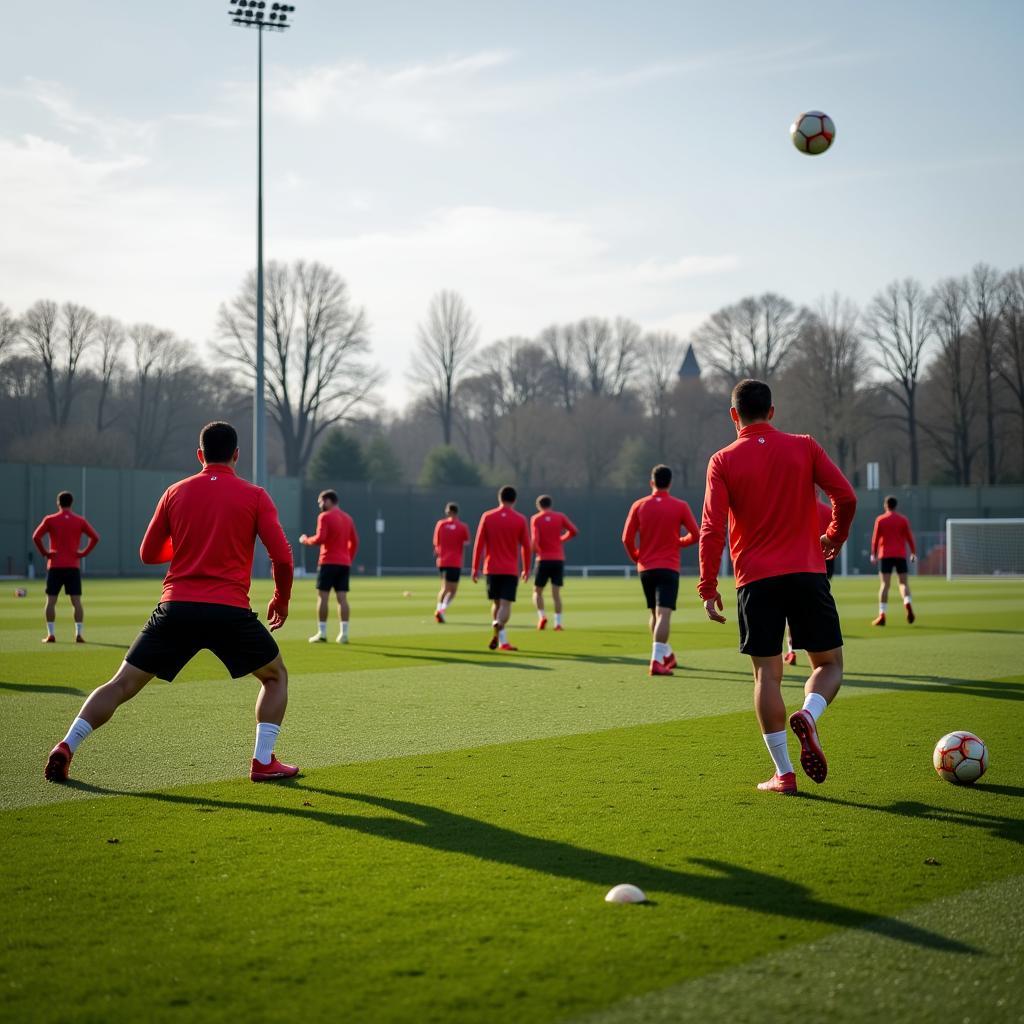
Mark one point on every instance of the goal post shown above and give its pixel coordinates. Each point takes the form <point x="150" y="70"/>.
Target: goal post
<point x="984" y="549"/>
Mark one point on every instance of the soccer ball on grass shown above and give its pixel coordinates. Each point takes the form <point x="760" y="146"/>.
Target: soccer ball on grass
<point x="812" y="133"/>
<point x="960" y="758"/>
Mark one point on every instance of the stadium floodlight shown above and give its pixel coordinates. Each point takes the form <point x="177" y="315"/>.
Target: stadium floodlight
<point x="252" y="14"/>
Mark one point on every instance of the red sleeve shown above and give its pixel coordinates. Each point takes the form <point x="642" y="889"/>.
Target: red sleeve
<point x="570" y="529"/>
<point x="353" y="539"/>
<point x="533" y="531"/>
<point x="629" y="533"/>
<point x="270" y="532"/>
<point x="524" y="540"/>
<point x="437" y="532"/>
<point x="714" y="518"/>
<point x="874" y="539"/>
<point x="94" y="538"/>
<point x="910" y="535"/>
<point x="478" y="546"/>
<point x="37" y="539"/>
<point x="156" y="546"/>
<point x="465" y="534"/>
<point x="318" y="537"/>
<point x="692" y="529"/>
<point x="830" y="479"/>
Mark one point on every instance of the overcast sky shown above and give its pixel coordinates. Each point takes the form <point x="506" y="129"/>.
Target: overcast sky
<point x="549" y="160"/>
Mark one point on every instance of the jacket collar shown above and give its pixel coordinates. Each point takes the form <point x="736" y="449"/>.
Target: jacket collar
<point x="218" y="467"/>
<point x="754" y="429"/>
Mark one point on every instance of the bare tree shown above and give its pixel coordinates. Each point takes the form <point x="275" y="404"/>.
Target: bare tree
<point x="606" y="353"/>
<point x="899" y="324"/>
<point x="560" y="343"/>
<point x="1011" y="345"/>
<point x="159" y="360"/>
<point x="445" y="348"/>
<point x="10" y="330"/>
<point x="983" y="304"/>
<point x="316" y="347"/>
<point x="660" y="356"/>
<point x="751" y="338"/>
<point x="111" y="338"/>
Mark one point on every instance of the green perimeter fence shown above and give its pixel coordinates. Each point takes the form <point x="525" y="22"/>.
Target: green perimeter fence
<point x="119" y="503"/>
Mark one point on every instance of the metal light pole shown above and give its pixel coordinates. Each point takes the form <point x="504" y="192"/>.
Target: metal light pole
<point x="254" y="14"/>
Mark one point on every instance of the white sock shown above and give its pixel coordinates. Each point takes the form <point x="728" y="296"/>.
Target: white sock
<point x="78" y="625"/>
<point x="50" y="627"/>
<point x="558" y="618"/>
<point x="80" y="728"/>
<point x="445" y="602"/>
<point x="266" y="737"/>
<point x="344" y="629"/>
<point x="660" y="652"/>
<point x="502" y="636"/>
<point x="440" y="607"/>
<point x="815" y="704"/>
<point x="906" y="600"/>
<point x="881" y="607"/>
<point x="322" y="627"/>
<point x="789" y="645"/>
<point x="540" y="614"/>
<point x="776" y="744"/>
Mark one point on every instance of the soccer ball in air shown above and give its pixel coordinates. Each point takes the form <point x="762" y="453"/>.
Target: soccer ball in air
<point x="812" y="133"/>
<point x="960" y="758"/>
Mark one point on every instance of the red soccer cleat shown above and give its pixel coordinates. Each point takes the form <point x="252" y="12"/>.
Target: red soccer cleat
<point x="784" y="784"/>
<point x="670" y="661"/>
<point x="659" y="668"/>
<point x="493" y="645"/>
<point x="910" y="614"/>
<point x="812" y="757"/>
<point x="439" y="617"/>
<point x="58" y="763"/>
<point x="880" y="621"/>
<point x="542" y="623"/>
<point x="507" y="647"/>
<point x="559" y="628"/>
<point x="48" y="639"/>
<point x="274" y="770"/>
<point x="789" y="658"/>
<point x="79" y="639"/>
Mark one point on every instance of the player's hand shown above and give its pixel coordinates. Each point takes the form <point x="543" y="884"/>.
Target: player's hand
<point x="303" y="538"/>
<point x="829" y="548"/>
<point x="52" y="553"/>
<point x="476" y="577"/>
<point x="635" y="555"/>
<point x="277" y="613"/>
<point x="873" y="559"/>
<point x="913" y="558"/>
<point x="524" y="575"/>
<point x="713" y="608"/>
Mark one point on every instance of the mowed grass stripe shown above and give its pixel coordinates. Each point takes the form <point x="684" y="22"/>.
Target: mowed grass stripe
<point x="467" y="885"/>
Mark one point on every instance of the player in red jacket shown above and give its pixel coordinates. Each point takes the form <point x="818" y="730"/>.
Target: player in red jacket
<point x="762" y="487"/>
<point x="339" y="542"/>
<point x="504" y="538"/>
<point x="658" y="519"/>
<point x="206" y="526"/>
<point x="451" y="535"/>
<point x="549" y="530"/>
<point x="63" y="530"/>
<point x="889" y="542"/>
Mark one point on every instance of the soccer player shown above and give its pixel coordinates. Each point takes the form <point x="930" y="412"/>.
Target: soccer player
<point x="64" y="530"/>
<point x="889" y="542"/>
<point x="549" y="530"/>
<point x="451" y="535"/>
<point x="206" y="526"/>
<point x="502" y="538"/>
<point x="658" y="519"/>
<point x="824" y="518"/>
<point x="762" y="485"/>
<point x="339" y="542"/>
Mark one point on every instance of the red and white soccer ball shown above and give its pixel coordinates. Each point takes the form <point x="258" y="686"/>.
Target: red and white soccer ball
<point x="812" y="133"/>
<point x="960" y="758"/>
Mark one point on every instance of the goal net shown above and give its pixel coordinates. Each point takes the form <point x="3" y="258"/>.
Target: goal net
<point x="984" y="548"/>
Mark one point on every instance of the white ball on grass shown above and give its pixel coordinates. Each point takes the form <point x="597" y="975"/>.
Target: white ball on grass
<point x="625" y="893"/>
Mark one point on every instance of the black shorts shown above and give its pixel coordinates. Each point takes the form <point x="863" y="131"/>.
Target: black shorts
<point x="450" y="573"/>
<point x="550" y="570"/>
<point x="501" y="587"/>
<point x="69" y="579"/>
<point x="890" y="565"/>
<point x="830" y="567"/>
<point x="178" y="630"/>
<point x="332" y="577"/>
<point x="661" y="587"/>
<point x="803" y="599"/>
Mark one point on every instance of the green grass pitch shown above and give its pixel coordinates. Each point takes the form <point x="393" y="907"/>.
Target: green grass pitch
<point x="460" y="816"/>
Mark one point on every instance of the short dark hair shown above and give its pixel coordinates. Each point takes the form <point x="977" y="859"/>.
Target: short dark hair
<point x="451" y="508"/>
<point x="507" y="493"/>
<point x="752" y="399"/>
<point x="65" y="499"/>
<point x="544" y="501"/>
<point x="662" y="476"/>
<point x="329" y="495"/>
<point x="219" y="441"/>
<point x="891" y="502"/>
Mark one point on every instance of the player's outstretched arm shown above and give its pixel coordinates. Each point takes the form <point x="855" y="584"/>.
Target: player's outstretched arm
<point x="157" y="547"/>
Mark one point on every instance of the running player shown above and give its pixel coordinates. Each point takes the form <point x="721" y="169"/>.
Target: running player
<point x="762" y="486"/>
<point x="889" y="542"/>
<point x="505" y="537"/>
<point x="206" y="526"/>
<point x="64" y="530"/>
<point x="658" y="518"/>
<point x="824" y="518"/>
<point x="339" y="542"/>
<point x="451" y="535"/>
<point x="549" y="530"/>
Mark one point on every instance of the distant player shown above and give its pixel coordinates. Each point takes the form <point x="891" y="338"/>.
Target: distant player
<point x="502" y="540"/>
<point x="339" y="542"/>
<point x="63" y="530"/>
<point x="824" y="518"/>
<point x="206" y="526"/>
<point x="762" y="486"/>
<point x="549" y="530"/>
<point x="658" y="519"/>
<point x="451" y="535"/>
<point x="889" y="542"/>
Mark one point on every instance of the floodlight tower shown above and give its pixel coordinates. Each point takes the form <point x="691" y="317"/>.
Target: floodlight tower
<point x="254" y="14"/>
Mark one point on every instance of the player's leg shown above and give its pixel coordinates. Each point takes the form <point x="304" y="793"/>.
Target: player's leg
<point x="444" y="596"/>
<point x="556" y="600"/>
<point x="271" y="705"/>
<point x="343" y="616"/>
<point x="495" y="625"/>
<point x="908" y="608"/>
<point x="666" y="593"/>
<point x="770" y="708"/>
<point x="504" y="613"/>
<point x="50" y="614"/>
<point x="885" y="577"/>
<point x="76" y="604"/>
<point x="323" y="598"/>
<point x="538" y="603"/>
<point x="790" y="658"/>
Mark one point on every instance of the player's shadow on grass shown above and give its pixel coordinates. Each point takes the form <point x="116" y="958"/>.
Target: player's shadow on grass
<point x="41" y="688"/>
<point x="495" y="661"/>
<point x="460" y="657"/>
<point x="715" y="881"/>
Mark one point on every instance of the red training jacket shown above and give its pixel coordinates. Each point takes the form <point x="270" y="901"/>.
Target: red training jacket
<point x="549" y="530"/>
<point x="658" y="517"/>
<point x="337" y="537"/>
<point x="451" y="535"/>
<point x="65" y="529"/>
<point x="891" y="535"/>
<point x="503" y="534"/>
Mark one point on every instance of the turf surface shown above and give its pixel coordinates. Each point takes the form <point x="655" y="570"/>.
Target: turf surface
<point x="460" y="816"/>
